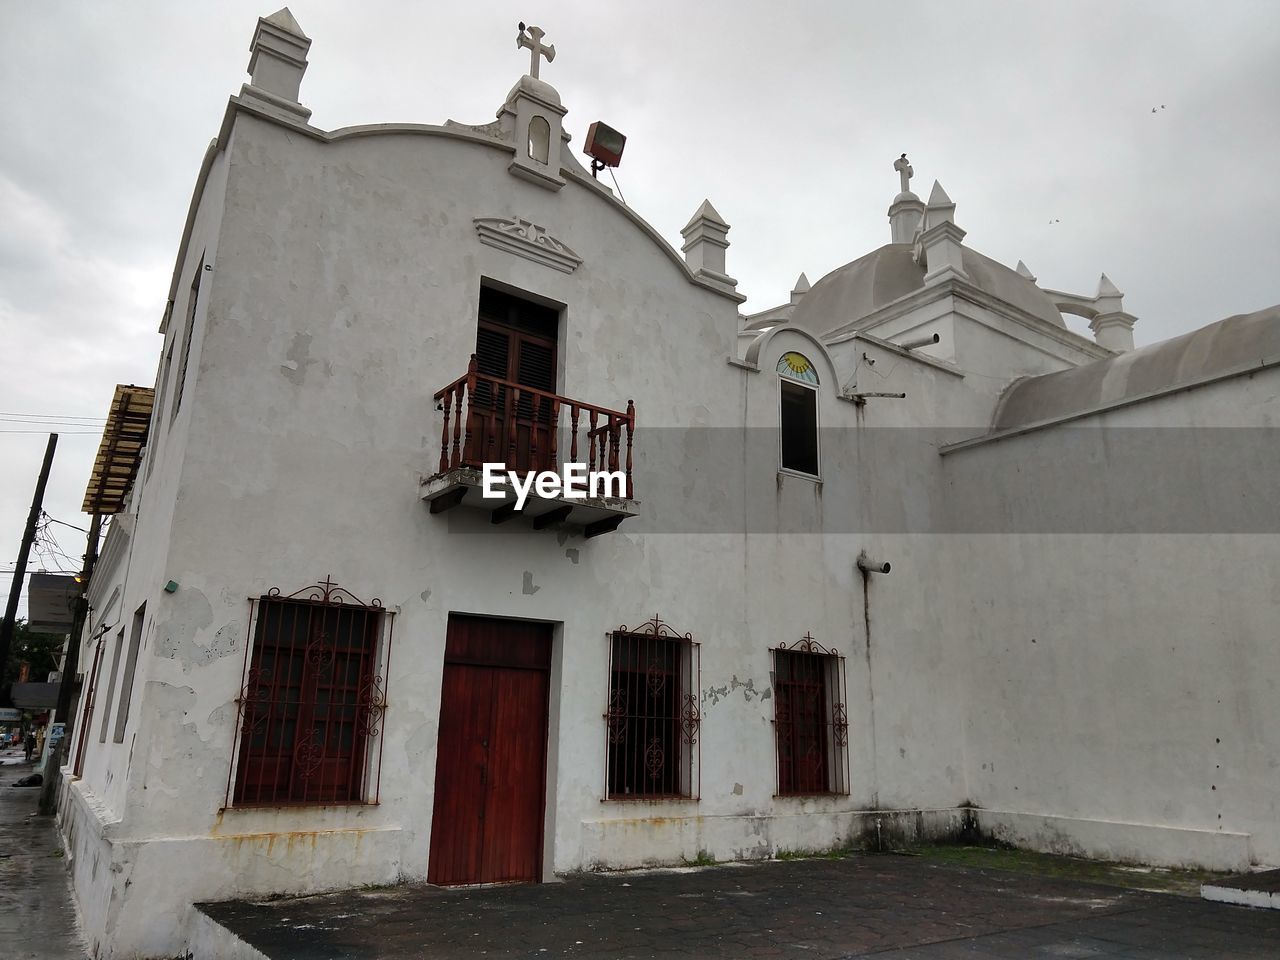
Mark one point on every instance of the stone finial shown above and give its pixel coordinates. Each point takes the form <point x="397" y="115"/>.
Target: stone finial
<point x="705" y="241"/>
<point x="1108" y="296"/>
<point x="941" y="209"/>
<point x="939" y="244"/>
<point x="277" y="61"/>
<point x="1112" y="327"/>
<point x="1025" y="272"/>
<point x="905" y="172"/>
<point x="906" y="211"/>
<point x="800" y="289"/>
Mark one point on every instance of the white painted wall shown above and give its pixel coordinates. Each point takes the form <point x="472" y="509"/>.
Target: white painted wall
<point x="343" y="294"/>
<point x="1126" y="677"/>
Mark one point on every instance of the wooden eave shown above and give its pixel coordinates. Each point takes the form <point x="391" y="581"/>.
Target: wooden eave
<point x="120" y="452"/>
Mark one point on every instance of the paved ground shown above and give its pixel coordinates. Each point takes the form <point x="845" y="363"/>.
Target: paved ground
<point x="37" y="921"/>
<point x="887" y="906"/>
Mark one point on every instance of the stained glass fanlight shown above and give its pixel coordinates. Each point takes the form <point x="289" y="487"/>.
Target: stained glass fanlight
<point x="797" y="367"/>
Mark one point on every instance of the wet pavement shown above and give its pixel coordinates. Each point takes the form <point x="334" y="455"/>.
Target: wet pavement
<point x="37" y="919"/>
<point x="888" y="906"/>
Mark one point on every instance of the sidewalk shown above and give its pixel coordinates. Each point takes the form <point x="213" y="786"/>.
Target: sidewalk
<point x="37" y="919"/>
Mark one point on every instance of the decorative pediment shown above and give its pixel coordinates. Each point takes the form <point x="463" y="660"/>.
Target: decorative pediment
<point x="526" y="239"/>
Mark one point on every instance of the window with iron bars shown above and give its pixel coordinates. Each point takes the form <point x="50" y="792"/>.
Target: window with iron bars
<point x="652" y="719"/>
<point x="312" y="700"/>
<point x="810" y="724"/>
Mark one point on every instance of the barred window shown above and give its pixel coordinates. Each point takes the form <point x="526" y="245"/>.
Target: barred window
<point x="811" y="729"/>
<point x="652" y="717"/>
<point x="312" y="700"/>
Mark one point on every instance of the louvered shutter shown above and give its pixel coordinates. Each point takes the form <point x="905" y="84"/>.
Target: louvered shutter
<point x="493" y="352"/>
<point x="535" y="367"/>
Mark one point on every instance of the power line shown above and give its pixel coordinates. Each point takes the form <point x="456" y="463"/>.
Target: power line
<point x="48" y="416"/>
<point x="65" y="524"/>
<point x="52" y="423"/>
<point x="64" y="433"/>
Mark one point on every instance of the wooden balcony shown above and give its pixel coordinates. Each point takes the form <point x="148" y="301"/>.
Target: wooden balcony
<point x="490" y="420"/>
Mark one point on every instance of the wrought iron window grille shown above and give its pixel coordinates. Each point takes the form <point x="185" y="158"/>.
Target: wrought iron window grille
<point x="653" y="717"/>
<point x="810" y="719"/>
<point x="312" y="700"/>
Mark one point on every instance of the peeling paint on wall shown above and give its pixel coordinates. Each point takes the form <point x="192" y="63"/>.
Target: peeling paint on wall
<point x="748" y="688"/>
<point x="529" y="588"/>
<point x="176" y="636"/>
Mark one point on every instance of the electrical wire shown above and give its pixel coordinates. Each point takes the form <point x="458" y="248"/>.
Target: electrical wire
<point x="65" y="524"/>
<point x="615" y="184"/>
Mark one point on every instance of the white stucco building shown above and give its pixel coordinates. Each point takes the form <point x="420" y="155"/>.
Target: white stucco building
<point x="1073" y="647"/>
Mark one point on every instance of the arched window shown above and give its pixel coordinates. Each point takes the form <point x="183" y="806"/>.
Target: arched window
<point x="798" y="413"/>
<point x="539" y="139"/>
<point x="797" y="367"/>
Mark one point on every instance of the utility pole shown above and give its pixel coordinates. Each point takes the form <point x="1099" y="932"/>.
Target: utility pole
<point x="52" y="769"/>
<point x="67" y="685"/>
<point x="20" y="573"/>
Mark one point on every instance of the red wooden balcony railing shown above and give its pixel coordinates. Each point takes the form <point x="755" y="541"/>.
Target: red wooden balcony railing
<point x="491" y="420"/>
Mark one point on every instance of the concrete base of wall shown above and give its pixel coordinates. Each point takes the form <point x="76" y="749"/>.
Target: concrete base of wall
<point x="135" y="895"/>
<point x="619" y="843"/>
<point x="1148" y="844"/>
<point x="1248" y="890"/>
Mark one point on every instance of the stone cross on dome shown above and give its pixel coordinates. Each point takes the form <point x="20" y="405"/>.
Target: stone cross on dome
<point x="537" y="50"/>
<point x="905" y="173"/>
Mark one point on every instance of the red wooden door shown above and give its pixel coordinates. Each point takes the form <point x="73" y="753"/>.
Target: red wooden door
<point x="491" y="754"/>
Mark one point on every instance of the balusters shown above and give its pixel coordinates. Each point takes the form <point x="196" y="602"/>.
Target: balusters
<point x="491" y="431"/>
<point x="444" y="435"/>
<point x="631" y="425"/>
<point x="555" y="424"/>
<point x="535" y="406"/>
<point x="512" y="407"/>
<point x="591" y="441"/>
<point x="457" y="426"/>
<point x="467" y="448"/>
<point x="478" y="410"/>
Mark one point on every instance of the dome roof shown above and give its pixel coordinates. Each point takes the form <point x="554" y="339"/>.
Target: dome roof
<point x="534" y="87"/>
<point x="860" y="288"/>
<point x="1230" y="344"/>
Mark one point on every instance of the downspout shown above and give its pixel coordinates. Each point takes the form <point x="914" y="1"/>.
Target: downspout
<point x="866" y="567"/>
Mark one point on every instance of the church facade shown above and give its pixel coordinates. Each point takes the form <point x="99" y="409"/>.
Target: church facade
<point x="903" y="557"/>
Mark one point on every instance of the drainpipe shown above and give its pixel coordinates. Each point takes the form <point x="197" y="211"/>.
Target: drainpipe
<point x="867" y="567"/>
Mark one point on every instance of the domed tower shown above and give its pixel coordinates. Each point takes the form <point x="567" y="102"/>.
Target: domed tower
<point x="927" y="281"/>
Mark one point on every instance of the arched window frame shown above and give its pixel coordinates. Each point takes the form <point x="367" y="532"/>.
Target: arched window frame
<point x="538" y="147"/>
<point x="798" y="386"/>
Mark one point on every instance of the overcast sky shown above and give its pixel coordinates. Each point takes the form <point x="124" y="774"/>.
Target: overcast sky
<point x="1036" y="117"/>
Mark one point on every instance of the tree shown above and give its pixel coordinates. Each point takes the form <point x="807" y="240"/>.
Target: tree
<point x="39" y="650"/>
